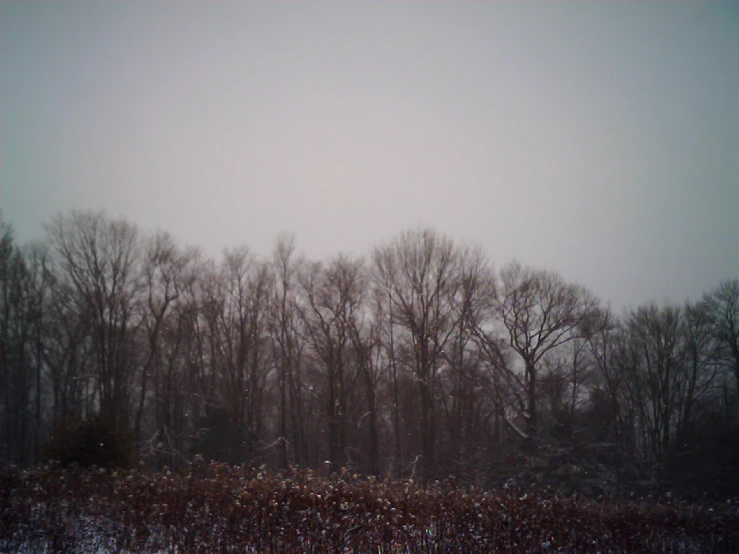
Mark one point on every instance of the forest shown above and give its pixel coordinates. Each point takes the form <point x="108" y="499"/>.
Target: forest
<point x="420" y="360"/>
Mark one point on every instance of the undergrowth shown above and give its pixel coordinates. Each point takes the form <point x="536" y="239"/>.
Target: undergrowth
<point x="239" y="509"/>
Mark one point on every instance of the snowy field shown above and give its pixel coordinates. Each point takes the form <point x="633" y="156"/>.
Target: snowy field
<point x="244" y="510"/>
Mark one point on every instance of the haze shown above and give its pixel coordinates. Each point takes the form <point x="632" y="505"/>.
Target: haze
<point x="600" y="140"/>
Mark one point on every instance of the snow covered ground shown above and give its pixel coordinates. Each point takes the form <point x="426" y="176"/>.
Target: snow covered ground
<point x="242" y="510"/>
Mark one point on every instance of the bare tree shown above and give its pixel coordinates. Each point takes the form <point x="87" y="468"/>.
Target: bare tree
<point x="25" y="281"/>
<point x="166" y="271"/>
<point x="201" y="307"/>
<point x="655" y="374"/>
<point x="235" y="326"/>
<point x="607" y="347"/>
<point x="419" y="274"/>
<point x="568" y="374"/>
<point x="334" y="311"/>
<point x="68" y="355"/>
<point x="163" y="275"/>
<point x="287" y="351"/>
<point x="723" y="309"/>
<point x="328" y="296"/>
<point x="97" y="259"/>
<point x="539" y="312"/>
<point x="247" y="284"/>
<point x="365" y="331"/>
<point x="701" y="366"/>
<point x="261" y="284"/>
<point x="466" y="406"/>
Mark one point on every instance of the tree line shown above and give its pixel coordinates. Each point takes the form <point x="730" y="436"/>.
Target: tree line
<point x="419" y="359"/>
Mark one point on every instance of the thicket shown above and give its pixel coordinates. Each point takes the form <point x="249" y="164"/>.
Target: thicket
<point x="94" y="442"/>
<point x="421" y="358"/>
<point x="234" y="508"/>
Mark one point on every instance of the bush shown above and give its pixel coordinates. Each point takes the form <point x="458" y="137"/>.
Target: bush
<point x="92" y="442"/>
<point x="240" y="509"/>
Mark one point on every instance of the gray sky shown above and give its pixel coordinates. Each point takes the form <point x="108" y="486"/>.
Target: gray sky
<point x="600" y="140"/>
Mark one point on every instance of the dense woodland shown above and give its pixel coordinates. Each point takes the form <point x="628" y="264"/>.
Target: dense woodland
<point x="420" y="359"/>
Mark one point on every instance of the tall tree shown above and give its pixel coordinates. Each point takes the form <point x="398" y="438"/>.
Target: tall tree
<point x="334" y="314"/>
<point x="24" y="283"/>
<point x="287" y="350"/>
<point x="539" y="312"/>
<point x="326" y="298"/>
<point x="656" y="372"/>
<point x="166" y="271"/>
<point x="419" y="273"/>
<point x="365" y="331"/>
<point x="607" y="347"/>
<point x="97" y="258"/>
<point x="700" y="361"/>
<point x="723" y="309"/>
<point x="466" y="409"/>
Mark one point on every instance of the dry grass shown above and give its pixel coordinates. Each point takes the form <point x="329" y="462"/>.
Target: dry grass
<point x="237" y="509"/>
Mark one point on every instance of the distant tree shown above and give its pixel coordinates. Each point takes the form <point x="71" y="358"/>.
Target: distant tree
<point x="701" y="369"/>
<point x="166" y="272"/>
<point x="669" y="367"/>
<point x="722" y="305"/>
<point x="287" y="350"/>
<point x="419" y="275"/>
<point x="466" y="405"/>
<point x="388" y="362"/>
<point x="328" y="295"/>
<point x="247" y="286"/>
<point x="162" y="278"/>
<point x="610" y="412"/>
<point x="199" y="313"/>
<point x="258" y="360"/>
<point x="68" y="355"/>
<point x="25" y="280"/>
<point x="420" y="361"/>
<point x="539" y="313"/>
<point x="97" y="259"/>
<point x="364" y="327"/>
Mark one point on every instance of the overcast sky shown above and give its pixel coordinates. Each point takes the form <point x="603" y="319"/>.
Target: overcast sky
<point x="600" y="140"/>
